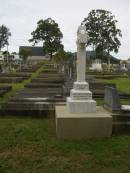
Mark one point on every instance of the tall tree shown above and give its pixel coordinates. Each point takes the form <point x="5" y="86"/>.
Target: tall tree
<point x="24" y="53"/>
<point x="49" y="33"/>
<point x="4" y="36"/>
<point x="103" y="33"/>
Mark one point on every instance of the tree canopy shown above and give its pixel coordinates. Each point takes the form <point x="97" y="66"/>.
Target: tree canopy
<point x="103" y="33"/>
<point x="4" y="36"/>
<point x="49" y="33"/>
<point x="24" y="53"/>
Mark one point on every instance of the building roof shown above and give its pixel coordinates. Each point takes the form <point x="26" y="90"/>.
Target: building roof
<point x="36" y="51"/>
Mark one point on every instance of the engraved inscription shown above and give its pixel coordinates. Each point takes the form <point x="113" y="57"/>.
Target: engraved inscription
<point x="80" y="87"/>
<point x="81" y="96"/>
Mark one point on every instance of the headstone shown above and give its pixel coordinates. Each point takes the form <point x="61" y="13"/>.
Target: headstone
<point x="96" y="65"/>
<point x="123" y="67"/>
<point x="111" y="99"/>
<point x="80" y="100"/>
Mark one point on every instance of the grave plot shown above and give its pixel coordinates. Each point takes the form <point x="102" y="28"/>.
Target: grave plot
<point x="48" y="85"/>
<point x="30" y="68"/>
<point x="11" y="79"/>
<point x="4" y="89"/>
<point x="38" y="98"/>
<point x="20" y="74"/>
<point x="96" y="88"/>
<point x="120" y="113"/>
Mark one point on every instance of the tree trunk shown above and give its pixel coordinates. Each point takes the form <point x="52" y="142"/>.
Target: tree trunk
<point x="109" y="62"/>
<point x="50" y="56"/>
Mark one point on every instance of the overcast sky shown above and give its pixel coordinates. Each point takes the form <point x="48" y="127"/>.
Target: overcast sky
<point x="21" y="16"/>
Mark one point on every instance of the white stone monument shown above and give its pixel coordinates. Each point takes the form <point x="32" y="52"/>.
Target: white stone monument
<point x="96" y="65"/>
<point x="80" y="100"/>
<point x="80" y="119"/>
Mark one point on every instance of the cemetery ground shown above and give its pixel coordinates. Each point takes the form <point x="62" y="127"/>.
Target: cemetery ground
<point x="122" y="84"/>
<point x="29" y="145"/>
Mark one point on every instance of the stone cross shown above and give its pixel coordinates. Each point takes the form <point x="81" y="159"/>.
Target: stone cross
<point x="81" y="53"/>
<point x="80" y="100"/>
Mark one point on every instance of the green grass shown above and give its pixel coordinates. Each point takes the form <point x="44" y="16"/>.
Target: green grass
<point x="18" y="86"/>
<point x="122" y="84"/>
<point x="30" y="146"/>
<point x="123" y="101"/>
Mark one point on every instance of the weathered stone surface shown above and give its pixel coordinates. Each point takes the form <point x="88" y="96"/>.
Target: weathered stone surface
<point x="83" y="126"/>
<point x="43" y="85"/>
<point x="11" y="79"/>
<point x="111" y="99"/>
<point x="25" y="75"/>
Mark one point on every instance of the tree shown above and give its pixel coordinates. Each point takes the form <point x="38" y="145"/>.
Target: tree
<point x="4" y="36"/>
<point x="103" y="35"/>
<point x="24" y="53"/>
<point x="49" y="33"/>
<point x="62" y="59"/>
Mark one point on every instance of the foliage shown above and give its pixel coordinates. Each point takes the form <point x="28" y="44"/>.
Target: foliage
<point x="49" y="33"/>
<point x="61" y="56"/>
<point x="4" y="36"/>
<point x="24" y="53"/>
<point x="103" y="34"/>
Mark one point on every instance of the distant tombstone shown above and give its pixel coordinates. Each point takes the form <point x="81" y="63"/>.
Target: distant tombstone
<point x="96" y="65"/>
<point x="123" y="67"/>
<point x="111" y="99"/>
<point x="5" y="69"/>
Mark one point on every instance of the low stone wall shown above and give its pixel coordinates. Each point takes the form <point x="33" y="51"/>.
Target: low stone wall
<point x="11" y="79"/>
<point x="26" y="75"/>
<point x="5" y="89"/>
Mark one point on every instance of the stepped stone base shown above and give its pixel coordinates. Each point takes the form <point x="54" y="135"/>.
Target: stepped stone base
<point x="80" y="100"/>
<point x="81" y="106"/>
<point x="83" y="126"/>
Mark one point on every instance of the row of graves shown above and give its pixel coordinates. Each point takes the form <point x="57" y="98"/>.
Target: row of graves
<point x="99" y="66"/>
<point x="96" y="86"/>
<point x="49" y="89"/>
<point x="8" y="78"/>
<point x="75" y="111"/>
<point x="37" y="98"/>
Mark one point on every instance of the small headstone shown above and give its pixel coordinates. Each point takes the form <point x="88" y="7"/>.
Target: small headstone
<point x="111" y="99"/>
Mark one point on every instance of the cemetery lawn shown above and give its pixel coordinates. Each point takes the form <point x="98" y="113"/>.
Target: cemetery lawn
<point x="29" y="145"/>
<point x="122" y="84"/>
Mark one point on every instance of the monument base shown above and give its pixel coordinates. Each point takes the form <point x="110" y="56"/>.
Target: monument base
<point x="83" y="126"/>
<point x="81" y="106"/>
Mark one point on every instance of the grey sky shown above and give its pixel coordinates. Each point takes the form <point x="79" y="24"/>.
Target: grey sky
<point x="21" y="17"/>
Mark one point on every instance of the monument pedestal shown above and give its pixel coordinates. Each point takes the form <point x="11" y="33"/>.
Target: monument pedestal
<point x="80" y="119"/>
<point x="83" y="126"/>
<point x="80" y="100"/>
<point x="81" y="106"/>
